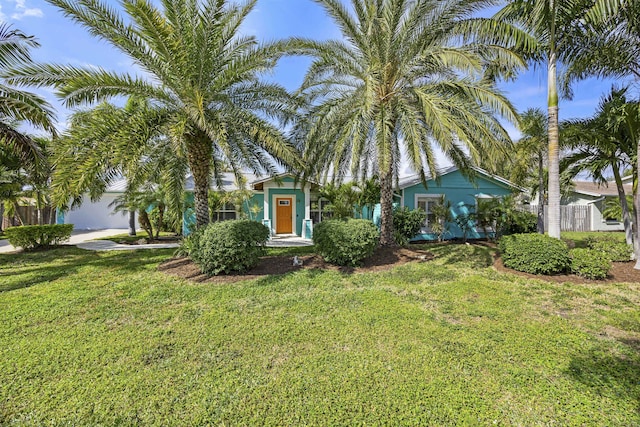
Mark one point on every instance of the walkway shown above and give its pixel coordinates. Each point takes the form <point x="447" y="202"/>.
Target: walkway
<point x="86" y="239"/>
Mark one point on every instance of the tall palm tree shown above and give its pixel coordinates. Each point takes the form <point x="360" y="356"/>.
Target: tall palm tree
<point x="605" y="142"/>
<point x="410" y="75"/>
<point x="556" y="24"/>
<point x="198" y="68"/>
<point x="17" y="105"/>
<point x="532" y="145"/>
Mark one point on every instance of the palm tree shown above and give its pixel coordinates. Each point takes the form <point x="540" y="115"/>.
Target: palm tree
<point x="17" y="105"/>
<point x="556" y="24"/>
<point x="532" y="145"/>
<point x="410" y="75"/>
<point x="108" y="142"/>
<point x="614" y="53"/>
<point x="199" y="69"/>
<point x="602" y="143"/>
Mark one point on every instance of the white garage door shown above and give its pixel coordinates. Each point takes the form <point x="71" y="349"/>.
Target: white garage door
<point x="97" y="216"/>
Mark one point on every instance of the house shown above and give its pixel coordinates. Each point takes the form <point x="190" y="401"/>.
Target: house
<point x="285" y="206"/>
<point x="582" y="209"/>
<point x="461" y="192"/>
<point x="289" y="207"/>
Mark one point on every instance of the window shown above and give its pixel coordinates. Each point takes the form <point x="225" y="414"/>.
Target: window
<point x="426" y="203"/>
<point x="319" y="211"/>
<point x="225" y="213"/>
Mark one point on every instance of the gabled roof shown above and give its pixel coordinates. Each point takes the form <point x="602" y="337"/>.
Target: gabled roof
<point x="415" y="179"/>
<point x="590" y="188"/>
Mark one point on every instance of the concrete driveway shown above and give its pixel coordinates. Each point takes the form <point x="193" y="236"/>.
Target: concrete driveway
<point x="77" y="236"/>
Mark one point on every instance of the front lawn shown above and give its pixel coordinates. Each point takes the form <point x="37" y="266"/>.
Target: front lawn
<point x="91" y="338"/>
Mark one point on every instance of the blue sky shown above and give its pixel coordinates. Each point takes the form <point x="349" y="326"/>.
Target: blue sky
<point x="66" y="42"/>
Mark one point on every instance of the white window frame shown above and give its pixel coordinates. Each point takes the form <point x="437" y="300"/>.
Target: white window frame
<point x="319" y="211"/>
<point x="225" y="209"/>
<point x="426" y="228"/>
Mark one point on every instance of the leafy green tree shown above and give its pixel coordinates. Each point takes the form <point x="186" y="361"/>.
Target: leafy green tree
<point x="412" y="75"/>
<point x="343" y="199"/>
<point x="556" y="24"/>
<point x="17" y="105"/>
<point x="198" y="69"/>
<point x="605" y="143"/>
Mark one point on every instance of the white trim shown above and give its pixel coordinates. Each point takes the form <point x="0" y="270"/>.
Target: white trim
<point x="426" y="228"/>
<point x="307" y="204"/>
<point x="293" y="211"/>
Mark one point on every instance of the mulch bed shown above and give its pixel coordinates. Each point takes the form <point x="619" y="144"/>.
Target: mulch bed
<point x="382" y="259"/>
<point x="622" y="272"/>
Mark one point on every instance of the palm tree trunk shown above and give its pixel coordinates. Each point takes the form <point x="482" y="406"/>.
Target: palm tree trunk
<point x="199" y="156"/>
<point x="541" y="191"/>
<point x="636" y="206"/>
<point x="626" y="216"/>
<point x="554" y="145"/>
<point x="386" y="209"/>
<point x="132" y="222"/>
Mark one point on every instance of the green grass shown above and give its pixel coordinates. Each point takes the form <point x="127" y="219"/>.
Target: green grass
<point x="580" y="238"/>
<point x="91" y="338"/>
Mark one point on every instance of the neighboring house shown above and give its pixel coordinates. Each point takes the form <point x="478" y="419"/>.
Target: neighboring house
<point x="288" y="207"/>
<point x="588" y="201"/>
<point x="582" y="209"/>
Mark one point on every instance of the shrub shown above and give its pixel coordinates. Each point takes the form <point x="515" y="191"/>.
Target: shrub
<point x="189" y="244"/>
<point x="590" y="263"/>
<point x="616" y="251"/>
<point x="345" y="242"/>
<point x="31" y="237"/>
<point x="407" y="223"/>
<point x="229" y="246"/>
<point x="519" y="222"/>
<point x="534" y="253"/>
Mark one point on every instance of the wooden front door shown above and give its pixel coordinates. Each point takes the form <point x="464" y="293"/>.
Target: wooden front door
<point x="284" y="215"/>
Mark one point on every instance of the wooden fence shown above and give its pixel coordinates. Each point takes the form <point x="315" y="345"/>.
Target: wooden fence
<point x="572" y="217"/>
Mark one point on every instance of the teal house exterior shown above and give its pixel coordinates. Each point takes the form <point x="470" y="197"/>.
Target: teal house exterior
<point x="285" y="206"/>
<point x="461" y="192"/>
<point x="290" y="208"/>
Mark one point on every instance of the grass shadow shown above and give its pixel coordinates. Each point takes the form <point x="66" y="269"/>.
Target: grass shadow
<point x="608" y="374"/>
<point x="34" y="268"/>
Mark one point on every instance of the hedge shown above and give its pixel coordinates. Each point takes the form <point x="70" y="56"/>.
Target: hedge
<point x="590" y="263"/>
<point x="345" y="242"/>
<point x="229" y="246"/>
<point x="31" y="237"/>
<point x="535" y="253"/>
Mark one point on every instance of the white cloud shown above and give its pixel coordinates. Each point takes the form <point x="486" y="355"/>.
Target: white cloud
<point x="21" y="10"/>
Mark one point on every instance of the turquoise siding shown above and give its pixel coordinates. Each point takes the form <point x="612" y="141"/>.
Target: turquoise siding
<point x="299" y="209"/>
<point x="256" y="200"/>
<point x="461" y="193"/>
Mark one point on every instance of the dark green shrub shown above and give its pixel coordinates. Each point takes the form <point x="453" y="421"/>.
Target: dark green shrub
<point x="534" y="253"/>
<point x="31" y="237"/>
<point x="590" y="263"/>
<point x="229" y="246"/>
<point x="616" y="250"/>
<point x="519" y="222"/>
<point x="407" y="223"/>
<point x="345" y="242"/>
